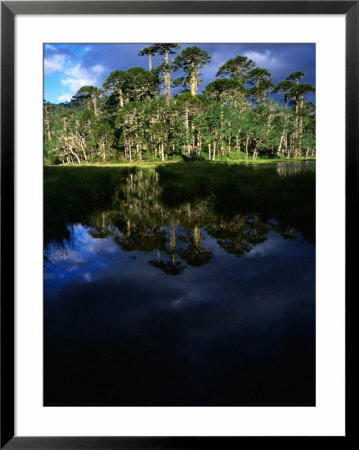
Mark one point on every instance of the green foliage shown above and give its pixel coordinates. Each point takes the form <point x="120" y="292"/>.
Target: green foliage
<point x="132" y="120"/>
<point x="236" y="68"/>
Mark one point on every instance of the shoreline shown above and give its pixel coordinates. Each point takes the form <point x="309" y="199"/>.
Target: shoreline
<point x="160" y="163"/>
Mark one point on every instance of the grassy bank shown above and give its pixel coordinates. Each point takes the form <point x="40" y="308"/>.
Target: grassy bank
<point x="177" y="161"/>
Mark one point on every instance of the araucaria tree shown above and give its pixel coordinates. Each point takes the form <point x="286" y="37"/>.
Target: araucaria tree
<point x="149" y="52"/>
<point x="165" y="68"/>
<point x="190" y="60"/>
<point x="236" y="68"/>
<point x="240" y="114"/>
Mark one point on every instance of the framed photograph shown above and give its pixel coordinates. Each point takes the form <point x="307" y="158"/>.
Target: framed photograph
<point x="175" y="220"/>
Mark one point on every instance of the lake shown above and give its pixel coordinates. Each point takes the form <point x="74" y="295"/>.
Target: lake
<point x="189" y="285"/>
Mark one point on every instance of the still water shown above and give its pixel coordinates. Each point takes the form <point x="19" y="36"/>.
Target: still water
<point x="153" y="304"/>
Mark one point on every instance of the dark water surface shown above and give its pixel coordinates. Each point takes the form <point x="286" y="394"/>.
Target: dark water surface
<point x="156" y="302"/>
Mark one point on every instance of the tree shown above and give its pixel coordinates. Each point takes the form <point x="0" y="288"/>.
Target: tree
<point x="234" y="117"/>
<point x="236" y="68"/>
<point x="261" y="89"/>
<point x="283" y="87"/>
<point x="165" y="67"/>
<point x="48" y="109"/>
<point x="148" y="51"/>
<point x="114" y="85"/>
<point x="134" y="84"/>
<point x="296" y="76"/>
<point x="88" y="92"/>
<point x="222" y="90"/>
<point x="195" y="255"/>
<point x="260" y="78"/>
<point x="298" y="92"/>
<point x="160" y="132"/>
<point x="190" y="60"/>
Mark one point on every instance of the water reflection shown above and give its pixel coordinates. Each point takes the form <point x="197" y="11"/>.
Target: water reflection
<point x="288" y="168"/>
<point x="139" y="221"/>
<point x="149" y="302"/>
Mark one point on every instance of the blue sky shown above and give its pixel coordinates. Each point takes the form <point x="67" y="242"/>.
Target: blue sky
<point x="67" y="67"/>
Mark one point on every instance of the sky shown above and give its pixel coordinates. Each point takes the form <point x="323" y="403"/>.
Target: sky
<point x="68" y="67"/>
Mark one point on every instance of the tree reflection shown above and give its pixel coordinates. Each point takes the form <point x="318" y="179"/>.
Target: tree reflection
<point x="137" y="217"/>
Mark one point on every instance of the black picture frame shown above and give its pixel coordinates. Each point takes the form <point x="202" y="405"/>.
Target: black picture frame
<point x="8" y="12"/>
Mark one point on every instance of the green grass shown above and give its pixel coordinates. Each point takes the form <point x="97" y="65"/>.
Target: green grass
<point x="223" y="160"/>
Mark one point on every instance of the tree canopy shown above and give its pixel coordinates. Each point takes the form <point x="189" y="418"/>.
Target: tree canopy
<point x="137" y="116"/>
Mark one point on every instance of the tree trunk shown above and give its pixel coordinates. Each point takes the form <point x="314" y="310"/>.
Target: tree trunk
<point x="76" y="155"/>
<point x="95" y="106"/>
<point x="214" y="150"/>
<point x="300" y="125"/>
<point x="167" y="79"/>
<point x="120" y="96"/>
<point x="255" y="152"/>
<point x="279" y="151"/>
<point x="246" y="148"/>
<point x="194" y="78"/>
<point x="187" y="129"/>
<point x="103" y="150"/>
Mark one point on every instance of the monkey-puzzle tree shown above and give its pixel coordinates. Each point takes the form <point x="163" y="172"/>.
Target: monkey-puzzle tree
<point x="134" y="84"/>
<point x="165" y="68"/>
<point x="236" y="68"/>
<point x="260" y="90"/>
<point x="140" y="84"/>
<point x="190" y="60"/>
<point x="148" y="51"/>
<point x="115" y="84"/>
<point x="221" y="90"/>
<point x="260" y="79"/>
<point x="296" y="76"/>
<point x="90" y="93"/>
<point x="283" y="87"/>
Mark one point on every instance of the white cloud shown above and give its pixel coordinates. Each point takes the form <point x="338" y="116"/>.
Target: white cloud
<point x="51" y="47"/>
<point x="78" y="76"/>
<point x="266" y="59"/>
<point x="97" y="69"/>
<point x="54" y="63"/>
<point x="64" y="98"/>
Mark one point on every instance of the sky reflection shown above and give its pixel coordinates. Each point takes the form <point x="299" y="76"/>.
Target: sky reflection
<point x="178" y="306"/>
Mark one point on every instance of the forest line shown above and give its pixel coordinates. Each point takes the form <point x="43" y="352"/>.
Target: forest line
<point x="152" y="115"/>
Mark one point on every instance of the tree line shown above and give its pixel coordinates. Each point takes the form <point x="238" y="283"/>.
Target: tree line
<point x="158" y="114"/>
